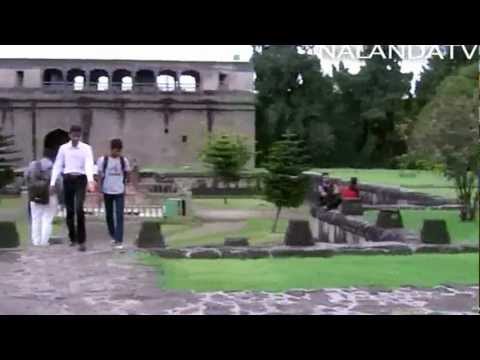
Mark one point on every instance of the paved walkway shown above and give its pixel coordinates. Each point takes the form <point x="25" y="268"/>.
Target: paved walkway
<point x="60" y="280"/>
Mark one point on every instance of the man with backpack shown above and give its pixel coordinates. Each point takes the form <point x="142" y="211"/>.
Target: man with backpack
<point x="43" y="205"/>
<point x="113" y="171"/>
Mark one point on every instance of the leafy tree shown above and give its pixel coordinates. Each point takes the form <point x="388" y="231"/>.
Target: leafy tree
<point x="447" y="133"/>
<point x="436" y="70"/>
<point x="226" y="155"/>
<point x="6" y="161"/>
<point x="292" y="93"/>
<point x="381" y="88"/>
<point x="285" y="186"/>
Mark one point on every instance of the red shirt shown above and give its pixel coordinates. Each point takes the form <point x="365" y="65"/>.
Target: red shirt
<point x="348" y="193"/>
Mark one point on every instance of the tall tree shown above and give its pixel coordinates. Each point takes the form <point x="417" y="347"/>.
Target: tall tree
<point x="285" y="185"/>
<point x="447" y="132"/>
<point x="291" y="94"/>
<point x="437" y="69"/>
<point x="381" y="88"/>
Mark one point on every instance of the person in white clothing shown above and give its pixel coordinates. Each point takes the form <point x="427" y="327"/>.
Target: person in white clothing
<point x="43" y="210"/>
<point x="75" y="161"/>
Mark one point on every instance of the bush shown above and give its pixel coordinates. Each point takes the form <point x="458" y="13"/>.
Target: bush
<point x="9" y="237"/>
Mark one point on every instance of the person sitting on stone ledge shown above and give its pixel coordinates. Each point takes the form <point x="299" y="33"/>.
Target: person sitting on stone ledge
<point x="322" y="190"/>
<point x="332" y="198"/>
<point x="351" y="191"/>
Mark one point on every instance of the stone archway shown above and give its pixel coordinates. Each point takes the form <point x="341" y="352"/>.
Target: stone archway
<point x="54" y="139"/>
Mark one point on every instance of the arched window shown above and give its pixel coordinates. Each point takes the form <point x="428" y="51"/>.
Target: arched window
<point x="166" y="80"/>
<point x="145" y="80"/>
<point x="122" y="80"/>
<point x="99" y="79"/>
<point x="76" y="79"/>
<point x="79" y="83"/>
<point x="127" y="83"/>
<point x="190" y="81"/>
<point x="52" y="77"/>
<point x="102" y="83"/>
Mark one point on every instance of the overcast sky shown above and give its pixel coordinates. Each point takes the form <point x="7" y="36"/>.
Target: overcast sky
<point x="161" y="52"/>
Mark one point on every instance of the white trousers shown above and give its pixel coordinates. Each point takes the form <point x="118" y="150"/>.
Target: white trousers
<point x="42" y="220"/>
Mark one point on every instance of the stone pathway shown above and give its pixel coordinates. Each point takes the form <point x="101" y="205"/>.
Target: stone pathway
<point x="60" y="280"/>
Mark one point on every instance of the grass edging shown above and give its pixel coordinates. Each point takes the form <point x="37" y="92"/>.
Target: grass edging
<point x="288" y="251"/>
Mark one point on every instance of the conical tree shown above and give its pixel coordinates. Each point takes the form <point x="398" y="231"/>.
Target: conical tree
<point x="7" y="162"/>
<point x="285" y="185"/>
<point x="226" y="155"/>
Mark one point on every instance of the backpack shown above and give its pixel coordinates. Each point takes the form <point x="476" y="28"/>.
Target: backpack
<point x="105" y="164"/>
<point x="39" y="186"/>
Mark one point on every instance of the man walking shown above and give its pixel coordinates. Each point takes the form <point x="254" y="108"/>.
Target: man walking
<point x="114" y="172"/>
<point x="75" y="161"/>
<point x="43" y="206"/>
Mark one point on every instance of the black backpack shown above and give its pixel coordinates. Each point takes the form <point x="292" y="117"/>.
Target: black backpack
<point x="105" y="164"/>
<point x="39" y="185"/>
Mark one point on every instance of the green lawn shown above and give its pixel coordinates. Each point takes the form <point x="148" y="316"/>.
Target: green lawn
<point x="233" y="204"/>
<point x="22" y="228"/>
<point x="10" y="202"/>
<point x="459" y="231"/>
<point x="315" y="273"/>
<point x="195" y="168"/>
<point x="416" y="180"/>
<point x="258" y="231"/>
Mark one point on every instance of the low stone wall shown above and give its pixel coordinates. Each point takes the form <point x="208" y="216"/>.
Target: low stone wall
<point x="319" y="250"/>
<point x="334" y="227"/>
<point x="204" y="185"/>
<point x="412" y="207"/>
<point x="376" y="194"/>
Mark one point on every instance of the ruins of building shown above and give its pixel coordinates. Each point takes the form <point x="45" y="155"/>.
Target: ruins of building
<point x="162" y="110"/>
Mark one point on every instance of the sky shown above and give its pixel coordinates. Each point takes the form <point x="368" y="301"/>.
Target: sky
<point x="164" y="52"/>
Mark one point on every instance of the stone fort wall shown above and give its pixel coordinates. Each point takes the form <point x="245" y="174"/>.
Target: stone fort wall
<point x="161" y="120"/>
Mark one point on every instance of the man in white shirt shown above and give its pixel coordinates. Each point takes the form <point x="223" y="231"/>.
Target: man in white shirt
<point x="75" y="161"/>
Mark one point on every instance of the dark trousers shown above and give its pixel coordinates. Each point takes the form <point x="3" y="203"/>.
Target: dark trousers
<point x="114" y="205"/>
<point x="74" y="192"/>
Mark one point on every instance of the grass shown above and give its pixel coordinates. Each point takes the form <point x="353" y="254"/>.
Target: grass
<point x="195" y="168"/>
<point x="416" y="180"/>
<point x="233" y="204"/>
<point x="10" y="202"/>
<point x="315" y="273"/>
<point x="16" y="203"/>
<point x="258" y="231"/>
<point x="459" y="231"/>
<point x="22" y="228"/>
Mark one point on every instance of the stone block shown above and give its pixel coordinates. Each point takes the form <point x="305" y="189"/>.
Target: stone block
<point x="150" y="235"/>
<point x="205" y="254"/>
<point x="435" y="232"/>
<point x="245" y="253"/>
<point x="170" y="253"/>
<point x="298" y="233"/>
<point x="9" y="237"/>
<point x="389" y="219"/>
<point x="236" y="241"/>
